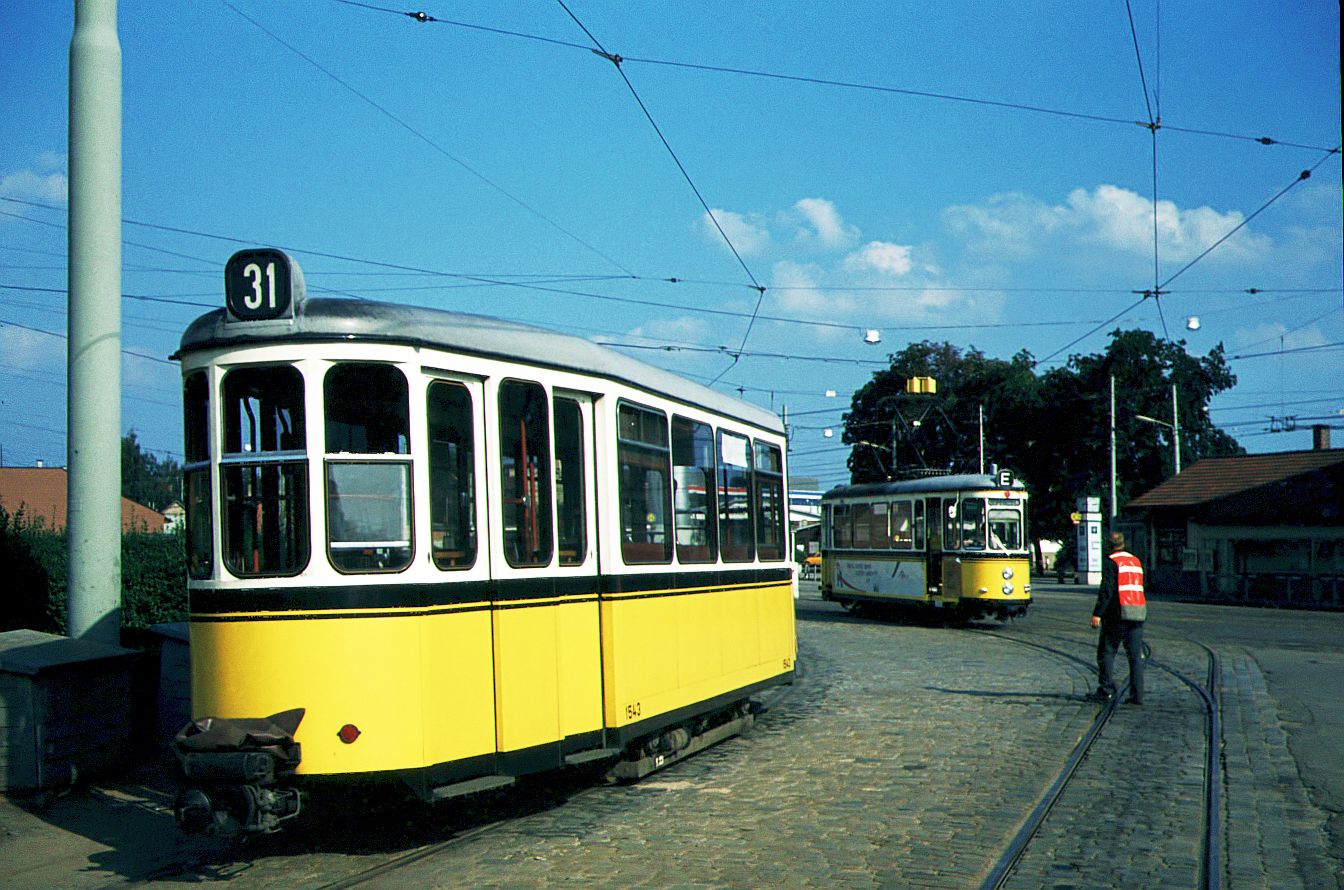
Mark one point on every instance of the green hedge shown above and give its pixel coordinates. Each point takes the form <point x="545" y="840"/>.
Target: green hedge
<point x="32" y="562"/>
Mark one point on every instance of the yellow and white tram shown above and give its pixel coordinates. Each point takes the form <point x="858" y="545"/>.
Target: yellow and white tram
<point x="446" y="550"/>
<point x="955" y="543"/>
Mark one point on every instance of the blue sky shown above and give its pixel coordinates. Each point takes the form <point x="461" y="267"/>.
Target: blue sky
<point x="960" y="171"/>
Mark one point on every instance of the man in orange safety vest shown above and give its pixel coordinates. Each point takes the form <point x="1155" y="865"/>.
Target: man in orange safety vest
<point x="1120" y="612"/>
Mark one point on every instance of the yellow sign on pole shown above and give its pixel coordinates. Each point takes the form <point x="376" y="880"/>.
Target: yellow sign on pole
<point x="921" y="385"/>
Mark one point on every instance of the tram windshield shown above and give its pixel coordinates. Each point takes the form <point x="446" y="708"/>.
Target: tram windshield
<point x="369" y="496"/>
<point x="992" y="525"/>
<point x="997" y="528"/>
<point x="265" y="472"/>
<point x="1005" y="528"/>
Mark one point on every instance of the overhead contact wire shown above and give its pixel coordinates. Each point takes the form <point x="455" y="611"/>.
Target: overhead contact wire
<point x="426" y="139"/>
<point x="1301" y="177"/>
<point x="616" y="60"/>
<point x="1154" y="124"/>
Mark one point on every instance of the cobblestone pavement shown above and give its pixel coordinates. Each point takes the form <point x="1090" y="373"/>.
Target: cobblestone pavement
<point x="906" y="756"/>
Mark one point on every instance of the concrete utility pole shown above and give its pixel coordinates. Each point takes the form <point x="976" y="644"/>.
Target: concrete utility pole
<point x="1114" y="507"/>
<point x="93" y="408"/>
<point x="1175" y="429"/>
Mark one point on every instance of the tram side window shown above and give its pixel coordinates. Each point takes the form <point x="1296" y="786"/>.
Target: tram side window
<point x="972" y="524"/>
<point x="693" y="490"/>
<point x="770" y="506"/>
<point x="870" y="526"/>
<point x="919" y="524"/>
<point x="645" y="462"/>
<point x="902" y="525"/>
<point x="525" y="473"/>
<point x="196" y="475"/>
<point x="366" y="413"/>
<point x="264" y="475"/>
<point x="842" y="531"/>
<point x="452" y="475"/>
<point x="951" y="528"/>
<point x="570" y="509"/>
<point x="737" y="534"/>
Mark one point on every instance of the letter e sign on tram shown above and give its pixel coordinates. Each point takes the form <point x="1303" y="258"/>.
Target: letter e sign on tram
<point x="261" y="284"/>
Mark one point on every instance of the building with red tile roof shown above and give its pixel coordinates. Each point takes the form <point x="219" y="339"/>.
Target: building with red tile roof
<point x="1255" y="528"/>
<point x="40" y="493"/>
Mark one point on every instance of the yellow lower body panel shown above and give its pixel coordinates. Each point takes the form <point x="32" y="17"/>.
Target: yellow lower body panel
<point x="662" y="653"/>
<point x="418" y="689"/>
<point x="983" y="579"/>
<point x="546" y="674"/>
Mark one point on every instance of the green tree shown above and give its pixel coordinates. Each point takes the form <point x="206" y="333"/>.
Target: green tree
<point x="145" y="479"/>
<point x="34" y="581"/>
<point x="1077" y="413"/>
<point x="1051" y="429"/>
<point x="895" y="432"/>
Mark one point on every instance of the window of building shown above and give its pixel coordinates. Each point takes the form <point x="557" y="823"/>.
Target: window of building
<point x="264" y="472"/>
<point x="1170" y="546"/>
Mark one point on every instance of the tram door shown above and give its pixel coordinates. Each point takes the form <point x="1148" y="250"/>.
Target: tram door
<point x="934" y="512"/>
<point x="548" y="690"/>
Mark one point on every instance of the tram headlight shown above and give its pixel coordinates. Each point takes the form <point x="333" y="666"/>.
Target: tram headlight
<point x="1007" y="574"/>
<point x="1007" y="589"/>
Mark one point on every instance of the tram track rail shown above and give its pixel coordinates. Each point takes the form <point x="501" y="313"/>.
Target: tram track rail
<point x="1210" y="875"/>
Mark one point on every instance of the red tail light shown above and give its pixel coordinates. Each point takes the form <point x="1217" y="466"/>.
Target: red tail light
<point x="349" y="732"/>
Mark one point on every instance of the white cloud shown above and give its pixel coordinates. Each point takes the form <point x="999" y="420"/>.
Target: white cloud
<point x="32" y="186"/>
<point x="881" y="256"/>
<point x="1017" y="226"/>
<point x="685" y="329"/>
<point x="748" y="235"/>
<point x="839" y="278"/>
<point x="1124" y="220"/>
<point x="1010" y="225"/>
<point x="1272" y="336"/>
<point x="796" y="290"/>
<point x="822" y="225"/>
<point x="23" y="348"/>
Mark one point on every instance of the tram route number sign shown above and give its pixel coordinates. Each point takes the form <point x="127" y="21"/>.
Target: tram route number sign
<point x="261" y="284"/>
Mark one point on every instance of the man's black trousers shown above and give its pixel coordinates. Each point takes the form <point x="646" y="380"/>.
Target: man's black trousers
<point x="1113" y="634"/>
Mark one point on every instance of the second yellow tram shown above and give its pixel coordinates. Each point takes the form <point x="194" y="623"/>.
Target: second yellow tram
<point x="954" y="543"/>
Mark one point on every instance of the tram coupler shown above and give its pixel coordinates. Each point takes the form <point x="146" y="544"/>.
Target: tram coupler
<point x="235" y="774"/>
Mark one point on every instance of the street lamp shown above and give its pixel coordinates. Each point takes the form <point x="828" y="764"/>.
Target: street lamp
<point x="1174" y="426"/>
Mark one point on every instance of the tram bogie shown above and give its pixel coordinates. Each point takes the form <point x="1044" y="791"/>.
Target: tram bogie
<point x="953" y="545"/>
<point x="456" y="551"/>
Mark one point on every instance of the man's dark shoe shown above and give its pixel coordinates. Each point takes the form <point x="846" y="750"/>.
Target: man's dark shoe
<point x="1133" y="701"/>
<point x="1098" y="696"/>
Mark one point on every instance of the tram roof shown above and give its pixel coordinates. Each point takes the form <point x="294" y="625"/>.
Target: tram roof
<point x="344" y="320"/>
<point x="923" y="485"/>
